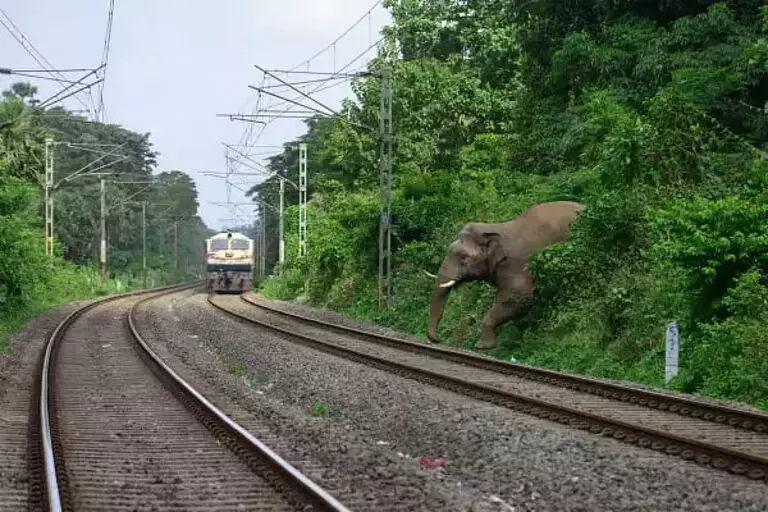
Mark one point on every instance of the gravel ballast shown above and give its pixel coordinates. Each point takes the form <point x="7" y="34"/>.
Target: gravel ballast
<point x="337" y="318"/>
<point x="18" y="367"/>
<point x="378" y="423"/>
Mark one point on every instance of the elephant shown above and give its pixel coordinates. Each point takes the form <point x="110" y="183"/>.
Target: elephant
<point x="498" y="253"/>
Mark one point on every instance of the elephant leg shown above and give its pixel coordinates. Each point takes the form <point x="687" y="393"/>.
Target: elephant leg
<point x="500" y="312"/>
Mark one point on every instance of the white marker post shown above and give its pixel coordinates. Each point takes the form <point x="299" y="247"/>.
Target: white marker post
<point x="673" y="351"/>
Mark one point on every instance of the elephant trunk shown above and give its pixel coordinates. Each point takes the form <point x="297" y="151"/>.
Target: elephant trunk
<point x="443" y="284"/>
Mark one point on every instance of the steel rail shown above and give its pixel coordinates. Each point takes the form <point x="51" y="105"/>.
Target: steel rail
<point x="683" y="406"/>
<point x="755" y="466"/>
<point x="51" y="476"/>
<point x="309" y="487"/>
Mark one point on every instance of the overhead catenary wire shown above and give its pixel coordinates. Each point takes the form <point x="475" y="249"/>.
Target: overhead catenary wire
<point x="307" y="82"/>
<point x="30" y="74"/>
<point x="30" y="48"/>
<point x="337" y="72"/>
<point x="250" y="135"/>
<point x="101" y="113"/>
<point x="315" y="91"/>
<point x="47" y="101"/>
<point x="315" y="73"/>
<point x="339" y="38"/>
<point x="293" y="87"/>
<point x="64" y="70"/>
<point x="36" y="77"/>
<point x="307" y="107"/>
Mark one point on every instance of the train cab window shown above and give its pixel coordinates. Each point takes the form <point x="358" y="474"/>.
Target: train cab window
<point x="240" y="244"/>
<point x="218" y="245"/>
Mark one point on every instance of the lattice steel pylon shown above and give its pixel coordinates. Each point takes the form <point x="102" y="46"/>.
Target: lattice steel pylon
<point x="385" y="184"/>
<point x="302" y="200"/>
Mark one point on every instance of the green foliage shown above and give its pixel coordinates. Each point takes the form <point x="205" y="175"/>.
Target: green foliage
<point x="653" y="115"/>
<point x="319" y="409"/>
<point x="30" y="281"/>
<point x="22" y="262"/>
<point x="236" y="369"/>
<point x="712" y="243"/>
<point x="730" y="358"/>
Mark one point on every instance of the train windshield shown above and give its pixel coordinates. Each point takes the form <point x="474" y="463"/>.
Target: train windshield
<point x="218" y="245"/>
<point x="239" y="244"/>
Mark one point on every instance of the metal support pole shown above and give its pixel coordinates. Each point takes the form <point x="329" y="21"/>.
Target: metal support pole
<point x="176" y="246"/>
<point x="49" y="197"/>
<point x="144" y="244"/>
<point x="281" y="246"/>
<point x="385" y="186"/>
<point x="302" y="200"/>
<point x="103" y="251"/>
<point x="258" y="247"/>
<point x="263" y="243"/>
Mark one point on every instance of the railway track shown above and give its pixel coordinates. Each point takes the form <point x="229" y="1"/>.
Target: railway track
<point x="713" y="435"/>
<point x="114" y="428"/>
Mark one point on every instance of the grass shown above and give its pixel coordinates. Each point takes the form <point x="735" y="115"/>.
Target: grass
<point x="236" y="369"/>
<point x="319" y="410"/>
<point x="576" y="340"/>
<point x="68" y="283"/>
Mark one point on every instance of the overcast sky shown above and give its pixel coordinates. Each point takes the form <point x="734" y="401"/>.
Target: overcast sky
<point x="175" y="64"/>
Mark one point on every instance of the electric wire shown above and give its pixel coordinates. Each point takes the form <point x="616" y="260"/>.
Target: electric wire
<point x="333" y="43"/>
<point x="321" y="86"/>
<point x="336" y="78"/>
<point x="101" y="113"/>
<point x="32" y="50"/>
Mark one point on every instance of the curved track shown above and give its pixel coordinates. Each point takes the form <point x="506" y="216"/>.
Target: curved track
<point x="116" y="428"/>
<point x="718" y="436"/>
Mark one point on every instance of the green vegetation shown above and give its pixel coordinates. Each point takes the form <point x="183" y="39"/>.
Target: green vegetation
<point x="319" y="409"/>
<point x="236" y="369"/>
<point x="654" y="115"/>
<point x="30" y="281"/>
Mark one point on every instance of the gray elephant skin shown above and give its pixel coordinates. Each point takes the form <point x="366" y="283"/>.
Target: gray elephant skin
<point x="498" y="253"/>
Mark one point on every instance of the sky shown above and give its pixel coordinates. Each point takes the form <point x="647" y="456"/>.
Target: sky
<point x="175" y="64"/>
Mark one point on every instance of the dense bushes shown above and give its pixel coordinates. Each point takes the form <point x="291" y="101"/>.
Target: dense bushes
<point x="22" y="262"/>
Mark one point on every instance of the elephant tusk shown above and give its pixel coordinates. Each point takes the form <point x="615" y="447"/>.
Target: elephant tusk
<point x="433" y="276"/>
<point x="448" y="284"/>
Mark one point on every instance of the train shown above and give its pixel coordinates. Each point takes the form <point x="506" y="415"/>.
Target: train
<point x="229" y="261"/>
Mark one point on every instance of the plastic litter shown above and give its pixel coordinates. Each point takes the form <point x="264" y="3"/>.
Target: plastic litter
<point x="430" y="464"/>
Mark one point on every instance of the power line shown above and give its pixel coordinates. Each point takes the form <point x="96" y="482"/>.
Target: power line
<point x="335" y="75"/>
<point x="307" y="82"/>
<point x="346" y="66"/>
<point x="81" y="89"/>
<point x="9" y="72"/>
<point x="320" y="86"/>
<point x="66" y="70"/>
<point x="314" y="91"/>
<point x="247" y="135"/>
<point x="104" y="58"/>
<point x="317" y="73"/>
<point x="31" y="49"/>
<point x="333" y="43"/>
<point x="293" y="87"/>
<point x="307" y="107"/>
<point x="49" y="101"/>
<point x="331" y="80"/>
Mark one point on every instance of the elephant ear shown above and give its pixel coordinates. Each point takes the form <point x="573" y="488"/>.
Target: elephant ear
<point x="481" y="234"/>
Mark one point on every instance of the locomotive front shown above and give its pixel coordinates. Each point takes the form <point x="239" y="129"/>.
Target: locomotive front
<point x="229" y="262"/>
